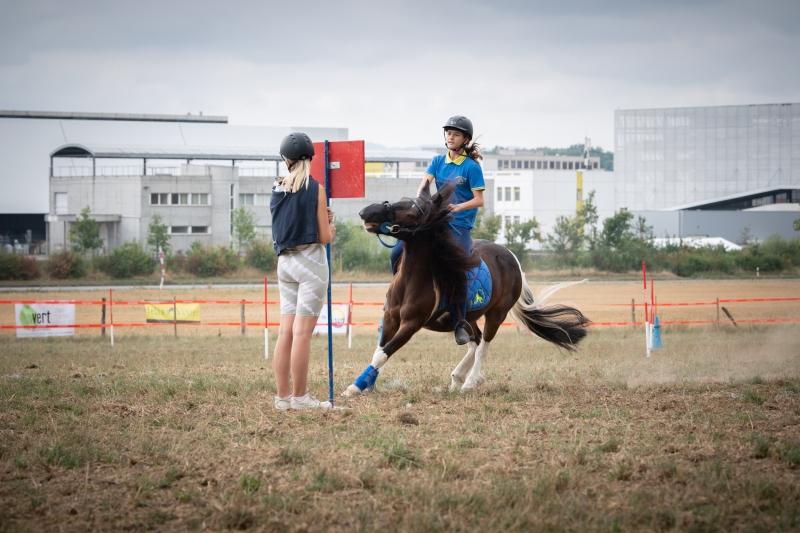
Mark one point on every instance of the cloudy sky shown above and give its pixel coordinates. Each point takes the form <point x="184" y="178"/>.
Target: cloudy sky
<point x="528" y="73"/>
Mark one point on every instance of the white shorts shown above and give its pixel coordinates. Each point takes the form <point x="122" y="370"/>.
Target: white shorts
<point x="303" y="280"/>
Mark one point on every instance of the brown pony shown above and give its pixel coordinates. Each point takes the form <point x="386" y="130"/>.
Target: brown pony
<point x="434" y="267"/>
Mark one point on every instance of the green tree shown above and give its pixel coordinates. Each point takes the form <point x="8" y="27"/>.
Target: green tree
<point x="158" y="235"/>
<point x="587" y="219"/>
<point x="617" y="230"/>
<point x="519" y="235"/>
<point x="244" y="228"/>
<point x="487" y="227"/>
<point x="566" y="239"/>
<point x="797" y="224"/>
<point x="85" y="233"/>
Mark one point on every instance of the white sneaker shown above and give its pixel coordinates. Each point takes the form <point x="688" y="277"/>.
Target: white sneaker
<point x="282" y="404"/>
<point x="308" y="402"/>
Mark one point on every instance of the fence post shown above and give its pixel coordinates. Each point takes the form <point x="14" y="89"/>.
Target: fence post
<point x="717" y="311"/>
<point x="241" y="318"/>
<point x="111" y="313"/>
<point x="175" y="316"/>
<point x="103" y="318"/>
<point x="633" y="313"/>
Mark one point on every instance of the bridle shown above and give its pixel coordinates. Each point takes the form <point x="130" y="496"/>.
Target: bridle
<point x="396" y="230"/>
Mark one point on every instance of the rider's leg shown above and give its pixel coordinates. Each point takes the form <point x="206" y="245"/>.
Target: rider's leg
<point x="461" y="329"/>
<point x="394" y="256"/>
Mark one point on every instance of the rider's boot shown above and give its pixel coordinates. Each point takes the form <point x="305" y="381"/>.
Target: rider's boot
<point x="463" y="332"/>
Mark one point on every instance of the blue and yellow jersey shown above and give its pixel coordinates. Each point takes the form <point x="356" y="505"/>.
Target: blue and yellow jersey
<point x="467" y="175"/>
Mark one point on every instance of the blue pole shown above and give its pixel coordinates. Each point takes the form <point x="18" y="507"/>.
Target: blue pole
<point x="330" y="275"/>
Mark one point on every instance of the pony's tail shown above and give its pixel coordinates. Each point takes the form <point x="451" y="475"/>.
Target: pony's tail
<point x="562" y="325"/>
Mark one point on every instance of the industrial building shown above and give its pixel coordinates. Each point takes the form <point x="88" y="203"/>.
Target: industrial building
<point x="722" y="160"/>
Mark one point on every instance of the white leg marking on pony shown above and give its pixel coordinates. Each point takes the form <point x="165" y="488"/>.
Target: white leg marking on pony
<point x="351" y="391"/>
<point x="459" y="373"/>
<point x="379" y="358"/>
<point x="475" y="377"/>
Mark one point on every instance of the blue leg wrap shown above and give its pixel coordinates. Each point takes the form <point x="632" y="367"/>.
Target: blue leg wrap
<point x="367" y="378"/>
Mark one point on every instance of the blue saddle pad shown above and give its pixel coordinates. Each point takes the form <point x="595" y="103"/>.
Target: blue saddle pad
<point x="479" y="288"/>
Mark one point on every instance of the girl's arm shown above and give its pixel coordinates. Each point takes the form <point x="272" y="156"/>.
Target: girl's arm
<point x="326" y="231"/>
<point x="477" y="201"/>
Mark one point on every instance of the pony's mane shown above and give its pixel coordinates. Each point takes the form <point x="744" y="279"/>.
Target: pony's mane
<point x="449" y="264"/>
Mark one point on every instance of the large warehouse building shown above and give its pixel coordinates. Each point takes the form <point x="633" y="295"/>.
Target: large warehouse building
<point x="724" y="171"/>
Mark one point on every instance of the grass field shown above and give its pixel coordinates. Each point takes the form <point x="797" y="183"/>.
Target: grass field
<point x="165" y="433"/>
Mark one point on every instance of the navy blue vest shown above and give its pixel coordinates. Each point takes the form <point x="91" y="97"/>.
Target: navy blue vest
<point x="294" y="216"/>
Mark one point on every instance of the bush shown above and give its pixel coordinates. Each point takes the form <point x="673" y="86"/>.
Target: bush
<point x="176" y="262"/>
<point x="208" y="261"/>
<point x="14" y="266"/>
<point x="66" y="264"/>
<point x="355" y="249"/>
<point x="261" y="255"/>
<point x="704" y="260"/>
<point x="127" y="261"/>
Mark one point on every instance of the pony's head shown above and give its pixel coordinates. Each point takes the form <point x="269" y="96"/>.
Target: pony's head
<point x="407" y="216"/>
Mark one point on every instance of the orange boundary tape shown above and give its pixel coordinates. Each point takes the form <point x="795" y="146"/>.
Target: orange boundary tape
<point x="351" y="303"/>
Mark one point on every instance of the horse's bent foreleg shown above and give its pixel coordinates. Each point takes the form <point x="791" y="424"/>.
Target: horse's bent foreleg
<point x="382" y="353"/>
<point x="459" y="373"/>
<point x="475" y="376"/>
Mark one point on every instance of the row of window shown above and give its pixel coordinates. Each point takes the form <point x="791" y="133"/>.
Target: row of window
<point x="188" y="230"/>
<point x="253" y="199"/>
<point x="508" y="194"/>
<point x="544" y="165"/>
<point x="180" y="198"/>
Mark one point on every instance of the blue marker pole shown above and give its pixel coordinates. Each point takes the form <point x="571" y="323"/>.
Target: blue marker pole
<point x="330" y="275"/>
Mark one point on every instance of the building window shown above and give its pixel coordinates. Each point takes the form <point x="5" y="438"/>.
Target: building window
<point x="516" y="194"/>
<point x="516" y="219"/>
<point x="499" y="194"/>
<point x="508" y="221"/>
<point x="178" y="230"/>
<point x="552" y="165"/>
<point x="507" y="193"/>
<point x="159" y="198"/>
<point x="199" y="230"/>
<point x="199" y="198"/>
<point x="569" y="166"/>
<point x="61" y="203"/>
<point x="179" y="198"/>
<point x="246" y="199"/>
<point x="527" y="164"/>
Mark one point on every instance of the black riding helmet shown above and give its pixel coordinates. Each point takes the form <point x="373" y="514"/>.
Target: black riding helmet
<point x="297" y="146"/>
<point x="460" y="123"/>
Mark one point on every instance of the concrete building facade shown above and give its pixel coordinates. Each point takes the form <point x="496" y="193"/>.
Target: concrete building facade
<point x="665" y="158"/>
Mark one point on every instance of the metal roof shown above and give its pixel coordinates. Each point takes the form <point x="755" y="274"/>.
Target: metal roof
<point x="129" y="117"/>
<point x="228" y="153"/>
<point x="741" y="195"/>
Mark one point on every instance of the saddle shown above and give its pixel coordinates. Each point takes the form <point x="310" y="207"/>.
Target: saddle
<point x="479" y="288"/>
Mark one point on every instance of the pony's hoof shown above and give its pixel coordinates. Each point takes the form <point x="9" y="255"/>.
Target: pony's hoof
<point x="351" y="391"/>
<point x="455" y="383"/>
<point x="472" y="384"/>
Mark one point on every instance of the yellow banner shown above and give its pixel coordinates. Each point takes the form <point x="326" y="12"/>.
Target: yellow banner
<point x="183" y="313"/>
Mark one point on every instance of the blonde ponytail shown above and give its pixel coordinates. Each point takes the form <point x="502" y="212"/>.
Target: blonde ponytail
<point x="299" y="171"/>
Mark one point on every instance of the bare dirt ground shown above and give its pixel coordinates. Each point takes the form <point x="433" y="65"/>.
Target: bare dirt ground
<point x="180" y="434"/>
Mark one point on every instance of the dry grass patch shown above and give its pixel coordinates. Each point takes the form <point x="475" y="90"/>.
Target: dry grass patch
<point x="180" y="434"/>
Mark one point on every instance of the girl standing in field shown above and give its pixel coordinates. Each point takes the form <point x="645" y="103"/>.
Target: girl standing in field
<point x="301" y="225"/>
<point x="460" y="165"/>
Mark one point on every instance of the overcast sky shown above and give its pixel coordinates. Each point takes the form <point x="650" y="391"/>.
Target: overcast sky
<point x="528" y="73"/>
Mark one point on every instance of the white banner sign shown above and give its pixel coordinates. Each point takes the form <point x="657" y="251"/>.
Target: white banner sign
<point x="339" y="319"/>
<point x="47" y="316"/>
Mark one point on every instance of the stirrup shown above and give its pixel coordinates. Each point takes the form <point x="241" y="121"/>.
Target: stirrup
<point x="463" y="332"/>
